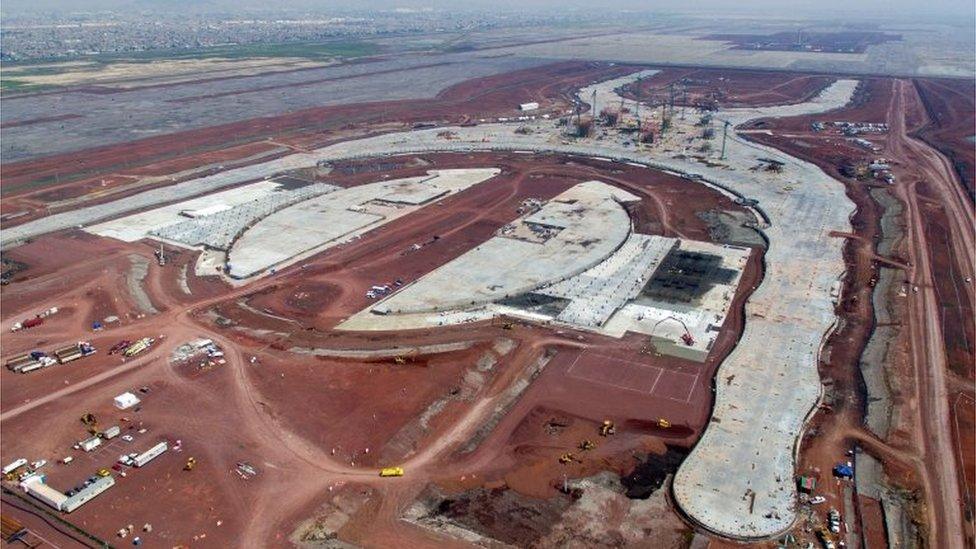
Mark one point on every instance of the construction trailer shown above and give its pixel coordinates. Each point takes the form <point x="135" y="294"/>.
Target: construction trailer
<point x="90" y="443"/>
<point x="14" y="465"/>
<point x="531" y="106"/>
<point x="87" y="493"/>
<point x="111" y="432"/>
<point x="36" y="486"/>
<point x="150" y="454"/>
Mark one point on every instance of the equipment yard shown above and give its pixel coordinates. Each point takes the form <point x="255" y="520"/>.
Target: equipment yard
<point x="506" y="301"/>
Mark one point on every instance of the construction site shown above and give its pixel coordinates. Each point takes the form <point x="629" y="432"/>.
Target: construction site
<point x="559" y="304"/>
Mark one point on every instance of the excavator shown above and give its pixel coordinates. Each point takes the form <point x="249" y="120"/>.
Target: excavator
<point x="663" y="423"/>
<point x="586" y="445"/>
<point x="191" y="462"/>
<point x="607" y="428"/>
<point x="400" y="359"/>
<point x="90" y="422"/>
<point x="567" y="458"/>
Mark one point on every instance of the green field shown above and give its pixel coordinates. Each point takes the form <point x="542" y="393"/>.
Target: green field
<point x="321" y="51"/>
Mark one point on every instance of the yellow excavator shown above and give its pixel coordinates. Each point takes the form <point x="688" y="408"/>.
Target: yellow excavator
<point x="399" y="359"/>
<point x="607" y="428"/>
<point x="90" y="422"/>
<point x="663" y="423"/>
<point x="567" y="458"/>
<point x="586" y="445"/>
<point x="191" y="462"/>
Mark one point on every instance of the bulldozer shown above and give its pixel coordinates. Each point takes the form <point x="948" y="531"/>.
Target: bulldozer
<point x="663" y="423"/>
<point x="586" y="445"/>
<point x="607" y="428"/>
<point x="90" y="422"/>
<point x="191" y="462"/>
<point x="567" y="458"/>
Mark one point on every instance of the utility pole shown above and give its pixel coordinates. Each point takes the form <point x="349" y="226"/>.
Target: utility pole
<point x="594" y="105"/>
<point x="725" y="132"/>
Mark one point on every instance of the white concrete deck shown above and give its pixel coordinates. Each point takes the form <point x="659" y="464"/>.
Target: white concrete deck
<point x="317" y="224"/>
<point x="593" y="223"/>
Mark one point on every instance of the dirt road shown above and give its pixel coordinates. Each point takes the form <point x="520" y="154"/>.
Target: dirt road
<point x="933" y="429"/>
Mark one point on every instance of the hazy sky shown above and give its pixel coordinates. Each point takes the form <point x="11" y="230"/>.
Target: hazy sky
<point x="825" y="9"/>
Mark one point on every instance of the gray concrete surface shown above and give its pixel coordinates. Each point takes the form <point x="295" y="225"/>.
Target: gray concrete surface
<point x="592" y="224"/>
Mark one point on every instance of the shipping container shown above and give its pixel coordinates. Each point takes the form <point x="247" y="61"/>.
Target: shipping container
<point x="111" y="432"/>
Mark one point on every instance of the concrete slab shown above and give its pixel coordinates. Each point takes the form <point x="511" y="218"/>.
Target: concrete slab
<point x="319" y="223"/>
<point x="594" y="225"/>
<point x="138" y="226"/>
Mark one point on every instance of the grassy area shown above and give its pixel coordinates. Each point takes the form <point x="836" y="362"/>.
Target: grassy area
<point x="12" y="85"/>
<point x="315" y="51"/>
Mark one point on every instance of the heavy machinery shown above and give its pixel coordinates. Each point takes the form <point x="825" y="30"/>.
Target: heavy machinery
<point x="663" y="423"/>
<point x="567" y="458"/>
<point x="391" y="472"/>
<point x="607" y="428"/>
<point x="191" y="462"/>
<point x="90" y="422"/>
<point x="399" y="359"/>
<point x="586" y="445"/>
<point x="103" y="472"/>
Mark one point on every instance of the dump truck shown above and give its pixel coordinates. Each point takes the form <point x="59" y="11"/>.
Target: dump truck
<point x="391" y="472"/>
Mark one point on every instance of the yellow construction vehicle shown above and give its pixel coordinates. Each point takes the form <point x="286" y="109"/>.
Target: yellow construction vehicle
<point x="399" y="360"/>
<point x="191" y="462"/>
<point x="567" y="458"/>
<point x="90" y="422"/>
<point x="508" y="326"/>
<point x="103" y="472"/>
<point x="663" y="423"/>
<point x="391" y="472"/>
<point x="607" y="428"/>
<point x="586" y="445"/>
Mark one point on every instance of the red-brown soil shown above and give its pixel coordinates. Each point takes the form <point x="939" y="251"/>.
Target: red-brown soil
<point x="951" y="109"/>
<point x="285" y="411"/>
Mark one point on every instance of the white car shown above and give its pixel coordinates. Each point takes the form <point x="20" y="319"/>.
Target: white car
<point x="817" y="500"/>
<point x="127" y="438"/>
<point x="38" y="464"/>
